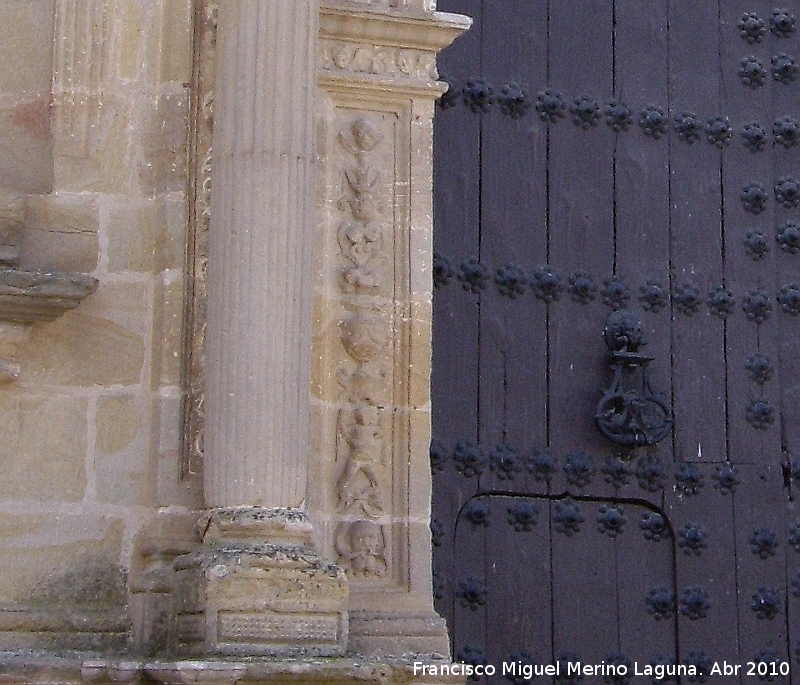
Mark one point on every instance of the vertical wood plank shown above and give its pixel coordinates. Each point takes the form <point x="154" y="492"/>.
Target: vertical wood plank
<point x="454" y="377"/>
<point x="581" y="221"/>
<point x="513" y="324"/>
<point x="696" y="234"/>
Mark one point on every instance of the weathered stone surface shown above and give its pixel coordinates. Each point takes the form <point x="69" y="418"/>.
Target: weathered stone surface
<point x="44" y="448"/>
<point x="61" y="233"/>
<point x="101" y="343"/>
<point x="167" y="328"/>
<point x="256" y="588"/>
<point x="163" y="142"/>
<point x="30" y="296"/>
<point x="62" y="584"/>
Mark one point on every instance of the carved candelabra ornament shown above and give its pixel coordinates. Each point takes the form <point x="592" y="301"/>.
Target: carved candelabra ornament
<point x="361" y="540"/>
<point x="630" y="413"/>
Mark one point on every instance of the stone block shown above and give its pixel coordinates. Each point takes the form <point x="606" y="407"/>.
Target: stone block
<point x="167" y="329"/>
<point x="61" y="233"/>
<point x="62" y="585"/>
<point x="163" y="135"/>
<point x="26" y="144"/>
<point x="26" y="46"/>
<point x="129" y="24"/>
<point x="99" y="343"/>
<point x="121" y="461"/>
<point x="176" y="41"/>
<point x="44" y="447"/>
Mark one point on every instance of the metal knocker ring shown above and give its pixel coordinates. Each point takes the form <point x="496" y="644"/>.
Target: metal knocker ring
<point x="630" y="413"/>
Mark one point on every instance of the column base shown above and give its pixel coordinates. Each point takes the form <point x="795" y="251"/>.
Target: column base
<point x="256" y="588"/>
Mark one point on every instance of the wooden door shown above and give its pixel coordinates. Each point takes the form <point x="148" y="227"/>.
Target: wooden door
<point x="619" y="156"/>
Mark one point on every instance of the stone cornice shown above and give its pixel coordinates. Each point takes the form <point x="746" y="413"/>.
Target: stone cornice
<point x="29" y="296"/>
<point x="369" y="44"/>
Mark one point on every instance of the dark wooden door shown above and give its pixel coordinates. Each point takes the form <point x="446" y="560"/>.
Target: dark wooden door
<point x="618" y="155"/>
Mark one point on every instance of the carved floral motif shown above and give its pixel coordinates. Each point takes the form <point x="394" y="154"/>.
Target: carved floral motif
<point x="378" y="60"/>
<point x="364" y="332"/>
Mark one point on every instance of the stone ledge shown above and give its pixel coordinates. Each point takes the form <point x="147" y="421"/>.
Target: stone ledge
<point x="30" y="296"/>
<point x="33" y="668"/>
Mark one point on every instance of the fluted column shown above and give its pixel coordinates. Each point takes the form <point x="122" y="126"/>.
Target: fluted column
<point x="260" y="247"/>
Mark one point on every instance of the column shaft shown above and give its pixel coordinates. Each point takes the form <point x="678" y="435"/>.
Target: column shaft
<point x="259" y="256"/>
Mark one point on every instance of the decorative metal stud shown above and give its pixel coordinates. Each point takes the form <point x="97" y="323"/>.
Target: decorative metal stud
<point x="764" y="543"/>
<point x="760" y="368"/>
<point x="510" y="280"/>
<point x="754" y="198"/>
<point x="796" y="584"/>
<point x="688" y="127"/>
<point x="611" y="520"/>
<point x="687" y="298"/>
<point x="469" y="459"/>
<point x="784" y="68"/>
<point x="726" y="479"/>
<point x="794" y="536"/>
<point x="719" y="131"/>
<point x="523" y="515"/>
<point x="766" y="602"/>
<point x="751" y="28"/>
<point x="451" y="96"/>
<point x="478" y="512"/>
<point x="524" y="661"/>
<point x="689" y="480"/>
<point x="721" y="302"/>
<point x="471" y="593"/>
<point x="437" y="533"/>
<point x="439" y="456"/>
<point x="615" y="292"/>
<point x="786" y="131"/>
<point x="653" y="296"/>
<point x="585" y="112"/>
<point x="756" y="244"/>
<point x="653" y="121"/>
<point x="752" y="72"/>
<point x="579" y="468"/>
<point x="618" y="116"/>
<point x="692" y="539"/>
<point x="789" y="298"/>
<point x="543" y="465"/>
<point x="654" y="527"/>
<point x="504" y="462"/>
<point x="567" y="517"/>
<point x="550" y="105"/>
<point x="661" y="603"/>
<point x="756" y="306"/>
<point x="694" y="602"/>
<point x="473" y="275"/>
<point x="546" y="284"/>
<point x="514" y="101"/>
<point x="567" y="675"/>
<point x="702" y="664"/>
<point x="754" y="136"/>
<point x="478" y="95"/>
<point x="781" y="23"/>
<point x="787" y="192"/>
<point x="760" y="414"/>
<point x="769" y="657"/>
<point x="788" y="237"/>
<point x="651" y="472"/>
<point x="616" y="472"/>
<point x="582" y="287"/>
<point x="472" y="655"/>
<point x="621" y="673"/>
<point x="443" y="271"/>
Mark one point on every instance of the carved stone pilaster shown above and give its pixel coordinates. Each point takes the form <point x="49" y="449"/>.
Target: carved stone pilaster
<point x="371" y="372"/>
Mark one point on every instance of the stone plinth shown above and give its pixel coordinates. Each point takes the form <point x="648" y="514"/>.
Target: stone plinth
<point x="256" y="588"/>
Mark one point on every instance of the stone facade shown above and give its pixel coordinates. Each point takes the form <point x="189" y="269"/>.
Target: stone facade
<point x="124" y="135"/>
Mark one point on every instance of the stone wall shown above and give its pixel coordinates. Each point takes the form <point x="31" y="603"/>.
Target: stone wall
<point x="94" y="110"/>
